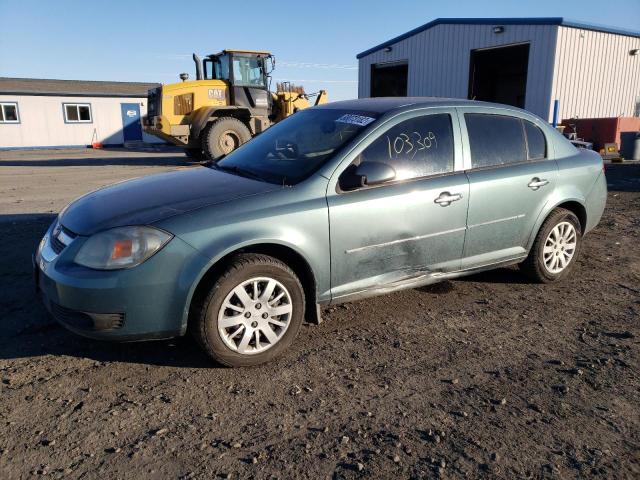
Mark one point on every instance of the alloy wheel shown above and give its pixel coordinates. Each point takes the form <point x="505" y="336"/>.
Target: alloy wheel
<point x="255" y="315"/>
<point x="559" y="247"/>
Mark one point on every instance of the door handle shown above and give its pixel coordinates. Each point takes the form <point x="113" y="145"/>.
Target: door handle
<point x="445" y="198"/>
<point x="536" y="183"/>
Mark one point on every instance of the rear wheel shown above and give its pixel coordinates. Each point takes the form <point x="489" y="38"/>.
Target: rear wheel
<point x="223" y="136"/>
<point x="252" y="313"/>
<point x="556" y="247"/>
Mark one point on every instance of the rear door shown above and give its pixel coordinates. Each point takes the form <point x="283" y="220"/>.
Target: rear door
<point x="511" y="178"/>
<point x="402" y="231"/>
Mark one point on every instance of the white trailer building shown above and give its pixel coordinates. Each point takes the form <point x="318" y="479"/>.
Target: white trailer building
<point x="37" y="113"/>
<point x="592" y="71"/>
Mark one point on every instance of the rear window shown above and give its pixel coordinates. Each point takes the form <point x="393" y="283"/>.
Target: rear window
<point x="536" y="143"/>
<point x="495" y="139"/>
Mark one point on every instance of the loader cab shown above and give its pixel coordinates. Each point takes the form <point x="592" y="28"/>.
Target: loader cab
<point x="247" y="74"/>
<point x="239" y="68"/>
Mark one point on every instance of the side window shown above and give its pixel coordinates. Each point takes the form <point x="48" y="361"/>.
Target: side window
<point x="415" y="148"/>
<point x="536" y="143"/>
<point x="222" y="68"/>
<point x="9" y="113"/>
<point x="495" y="139"/>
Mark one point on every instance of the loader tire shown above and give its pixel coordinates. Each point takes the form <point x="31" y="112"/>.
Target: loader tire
<point x="223" y="136"/>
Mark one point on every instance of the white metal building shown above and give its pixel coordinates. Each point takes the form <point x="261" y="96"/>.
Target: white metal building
<point x="36" y="113"/>
<point x="592" y="71"/>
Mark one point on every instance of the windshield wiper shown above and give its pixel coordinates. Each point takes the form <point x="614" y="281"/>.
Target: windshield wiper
<point x="238" y="171"/>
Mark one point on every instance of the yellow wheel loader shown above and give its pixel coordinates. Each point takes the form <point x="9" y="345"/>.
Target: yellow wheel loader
<point x="227" y="104"/>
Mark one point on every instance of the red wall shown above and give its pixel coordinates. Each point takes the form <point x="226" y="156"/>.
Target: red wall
<point x="603" y="130"/>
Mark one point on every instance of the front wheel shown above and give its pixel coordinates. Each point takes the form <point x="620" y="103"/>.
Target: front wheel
<point x="556" y="247"/>
<point x="252" y="313"/>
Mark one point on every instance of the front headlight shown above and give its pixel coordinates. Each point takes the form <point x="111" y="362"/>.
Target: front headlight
<point x="121" y="247"/>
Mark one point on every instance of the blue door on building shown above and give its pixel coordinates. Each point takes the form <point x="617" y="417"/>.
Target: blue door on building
<point x="131" y="126"/>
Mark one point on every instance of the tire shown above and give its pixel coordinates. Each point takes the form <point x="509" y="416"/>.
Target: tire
<point x="539" y="265"/>
<point x="222" y="136"/>
<point x="215" y="325"/>
<point x="195" y="154"/>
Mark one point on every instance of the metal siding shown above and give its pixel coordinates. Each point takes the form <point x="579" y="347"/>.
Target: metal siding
<point x="42" y="122"/>
<point x="439" y="60"/>
<point x="594" y="75"/>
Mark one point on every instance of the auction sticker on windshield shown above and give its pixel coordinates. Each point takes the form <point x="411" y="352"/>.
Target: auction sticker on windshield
<point x="355" y="119"/>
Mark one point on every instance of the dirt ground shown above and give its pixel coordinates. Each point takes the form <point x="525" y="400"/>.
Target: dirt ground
<point x="489" y="376"/>
<point x="44" y="182"/>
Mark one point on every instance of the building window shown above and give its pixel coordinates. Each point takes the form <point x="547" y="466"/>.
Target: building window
<point x="9" y="113"/>
<point x="77" y="112"/>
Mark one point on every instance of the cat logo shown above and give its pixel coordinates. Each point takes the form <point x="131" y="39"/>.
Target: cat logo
<point x="216" y="93"/>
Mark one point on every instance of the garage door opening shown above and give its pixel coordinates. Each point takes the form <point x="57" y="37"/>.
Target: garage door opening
<point x="389" y="79"/>
<point x="499" y="74"/>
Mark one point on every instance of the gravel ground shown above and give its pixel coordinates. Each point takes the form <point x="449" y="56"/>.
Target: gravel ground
<point x="488" y="376"/>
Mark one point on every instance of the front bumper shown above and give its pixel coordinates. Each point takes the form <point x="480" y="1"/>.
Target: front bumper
<point x="149" y="301"/>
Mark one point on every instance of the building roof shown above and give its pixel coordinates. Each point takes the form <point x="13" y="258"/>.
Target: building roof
<point x="73" y="88"/>
<point x="501" y="21"/>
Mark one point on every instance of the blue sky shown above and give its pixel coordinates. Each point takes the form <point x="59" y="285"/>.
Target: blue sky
<point x="315" y="43"/>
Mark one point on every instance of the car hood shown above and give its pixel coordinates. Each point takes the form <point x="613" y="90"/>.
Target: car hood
<point x="146" y="200"/>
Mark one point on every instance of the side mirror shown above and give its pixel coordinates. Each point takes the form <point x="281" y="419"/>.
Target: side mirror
<point x="367" y="174"/>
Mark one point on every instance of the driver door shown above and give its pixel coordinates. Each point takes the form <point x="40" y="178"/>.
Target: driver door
<point x="408" y="229"/>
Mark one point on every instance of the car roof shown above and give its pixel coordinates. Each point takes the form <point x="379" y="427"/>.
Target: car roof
<point x="388" y="104"/>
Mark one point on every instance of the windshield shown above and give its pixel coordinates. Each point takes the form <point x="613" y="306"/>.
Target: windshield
<point x="291" y="150"/>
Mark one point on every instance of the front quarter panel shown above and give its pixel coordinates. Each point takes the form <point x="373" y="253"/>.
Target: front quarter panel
<point x="295" y="217"/>
<point x="152" y="294"/>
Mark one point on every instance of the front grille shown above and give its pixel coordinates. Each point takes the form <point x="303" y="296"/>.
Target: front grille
<point x="56" y="245"/>
<point x="70" y="317"/>
<point x="61" y="238"/>
<point x="87" y="321"/>
<point x="107" y="321"/>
